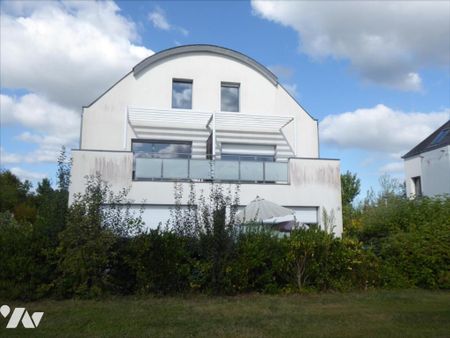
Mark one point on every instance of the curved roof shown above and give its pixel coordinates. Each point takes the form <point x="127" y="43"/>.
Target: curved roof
<point x="192" y="49"/>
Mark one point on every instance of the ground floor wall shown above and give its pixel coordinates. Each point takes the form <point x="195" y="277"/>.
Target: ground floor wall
<point x="160" y="215"/>
<point x="314" y="184"/>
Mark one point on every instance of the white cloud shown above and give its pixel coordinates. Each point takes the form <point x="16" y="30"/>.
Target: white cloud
<point x="34" y="112"/>
<point x="27" y="175"/>
<point x="380" y="129"/>
<point x="67" y="52"/>
<point x="7" y="158"/>
<point x="392" y="167"/>
<point x="53" y="126"/>
<point x="159" y="20"/>
<point x="386" y="42"/>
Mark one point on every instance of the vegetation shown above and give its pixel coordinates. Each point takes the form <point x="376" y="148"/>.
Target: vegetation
<point x="405" y="313"/>
<point x="97" y="246"/>
<point x="350" y="188"/>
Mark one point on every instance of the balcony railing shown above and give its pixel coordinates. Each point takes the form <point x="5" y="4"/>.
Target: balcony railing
<point x="168" y="169"/>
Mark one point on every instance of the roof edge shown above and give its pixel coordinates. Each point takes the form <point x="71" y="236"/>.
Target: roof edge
<point x="205" y="48"/>
<point x="424" y="146"/>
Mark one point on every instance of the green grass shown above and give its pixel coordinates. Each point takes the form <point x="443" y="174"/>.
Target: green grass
<point x="407" y="313"/>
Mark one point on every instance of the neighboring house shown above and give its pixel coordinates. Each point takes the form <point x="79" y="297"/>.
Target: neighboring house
<point x="427" y="165"/>
<point x="198" y="113"/>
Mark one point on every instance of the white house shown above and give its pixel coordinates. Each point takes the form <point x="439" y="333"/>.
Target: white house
<point x="427" y="165"/>
<point x="200" y="112"/>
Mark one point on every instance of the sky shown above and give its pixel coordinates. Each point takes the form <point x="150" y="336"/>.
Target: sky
<point x="375" y="74"/>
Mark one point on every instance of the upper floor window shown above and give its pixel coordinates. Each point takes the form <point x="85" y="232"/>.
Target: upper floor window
<point x="229" y="97"/>
<point x="247" y="152"/>
<point x="182" y="94"/>
<point x="161" y="149"/>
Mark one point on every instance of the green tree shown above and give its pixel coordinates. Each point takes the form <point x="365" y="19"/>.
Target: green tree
<point x="350" y="188"/>
<point x="16" y="197"/>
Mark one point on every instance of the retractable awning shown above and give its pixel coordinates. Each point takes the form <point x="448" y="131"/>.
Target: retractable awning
<point x="143" y="117"/>
<point x="250" y="122"/>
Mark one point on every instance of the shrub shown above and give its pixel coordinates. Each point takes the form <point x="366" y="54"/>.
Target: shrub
<point x="95" y="222"/>
<point x="161" y="262"/>
<point x="411" y="237"/>
<point x="16" y="266"/>
<point x="259" y="263"/>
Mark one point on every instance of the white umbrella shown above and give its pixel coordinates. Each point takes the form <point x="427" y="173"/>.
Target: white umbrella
<point x="260" y="210"/>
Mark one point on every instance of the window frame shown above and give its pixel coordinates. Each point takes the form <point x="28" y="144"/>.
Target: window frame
<point x="417" y="184"/>
<point x="185" y="81"/>
<point x="159" y="141"/>
<point x="229" y="84"/>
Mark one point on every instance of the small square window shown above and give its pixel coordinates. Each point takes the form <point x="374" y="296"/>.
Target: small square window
<point x="229" y="94"/>
<point x="182" y="94"/>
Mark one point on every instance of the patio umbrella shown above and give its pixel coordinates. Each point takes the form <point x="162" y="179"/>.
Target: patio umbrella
<point x="261" y="210"/>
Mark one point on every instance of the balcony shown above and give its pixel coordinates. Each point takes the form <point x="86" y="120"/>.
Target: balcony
<point x="179" y="169"/>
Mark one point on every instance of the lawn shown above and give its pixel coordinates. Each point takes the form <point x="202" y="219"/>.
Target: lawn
<point x="408" y="313"/>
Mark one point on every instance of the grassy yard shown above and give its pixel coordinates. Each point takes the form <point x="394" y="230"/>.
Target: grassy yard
<point x="410" y="313"/>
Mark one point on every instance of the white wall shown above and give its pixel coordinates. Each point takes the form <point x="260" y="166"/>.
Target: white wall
<point x="313" y="183"/>
<point x="104" y="121"/>
<point x="433" y="167"/>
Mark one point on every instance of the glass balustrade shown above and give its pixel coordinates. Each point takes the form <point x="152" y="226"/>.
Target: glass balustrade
<point x="161" y="169"/>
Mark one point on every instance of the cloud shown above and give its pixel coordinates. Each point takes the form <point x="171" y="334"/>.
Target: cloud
<point x="159" y="20"/>
<point x="67" y="52"/>
<point x="380" y="128"/>
<point x="392" y="167"/>
<point x="64" y="55"/>
<point x="386" y="42"/>
<point x="7" y="158"/>
<point x="27" y="175"/>
<point x="35" y="112"/>
<point x="52" y="125"/>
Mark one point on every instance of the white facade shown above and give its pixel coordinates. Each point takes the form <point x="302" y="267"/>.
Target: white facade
<point x="428" y="173"/>
<point x="270" y="127"/>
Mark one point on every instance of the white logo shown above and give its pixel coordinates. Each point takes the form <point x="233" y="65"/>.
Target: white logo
<point x="20" y="314"/>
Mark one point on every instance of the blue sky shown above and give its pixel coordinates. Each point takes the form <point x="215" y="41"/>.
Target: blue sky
<point x="376" y="75"/>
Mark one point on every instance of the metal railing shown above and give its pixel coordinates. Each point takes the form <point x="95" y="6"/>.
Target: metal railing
<point x="168" y="169"/>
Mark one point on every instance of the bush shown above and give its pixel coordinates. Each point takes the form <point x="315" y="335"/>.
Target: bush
<point x="411" y="238"/>
<point x="96" y="221"/>
<point x="259" y="263"/>
<point x="161" y="262"/>
<point x="418" y="258"/>
<point x="16" y="266"/>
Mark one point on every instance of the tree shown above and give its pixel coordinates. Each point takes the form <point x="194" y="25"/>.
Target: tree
<point x="350" y="188"/>
<point x="16" y="197"/>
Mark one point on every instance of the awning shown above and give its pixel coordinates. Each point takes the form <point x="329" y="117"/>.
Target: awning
<point x="251" y="122"/>
<point x="143" y="117"/>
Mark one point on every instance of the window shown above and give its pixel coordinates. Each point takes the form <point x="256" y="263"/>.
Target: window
<point x="182" y="94"/>
<point x="229" y="97"/>
<point x="417" y="186"/>
<point x="439" y="137"/>
<point x="161" y="149"/>
<point x="256" y="158"/>
<point x="248" y="152"/>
